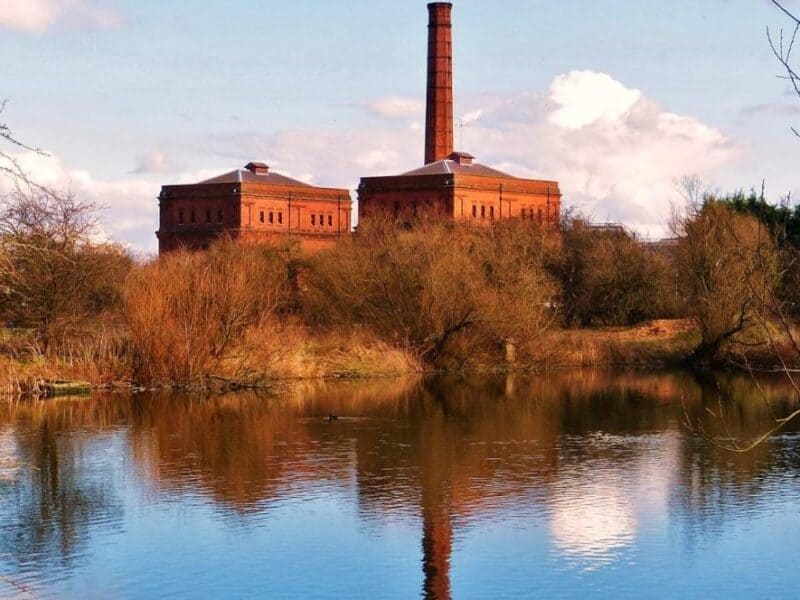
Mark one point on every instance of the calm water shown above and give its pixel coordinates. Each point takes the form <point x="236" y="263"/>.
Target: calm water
<point x="580" y="485"/>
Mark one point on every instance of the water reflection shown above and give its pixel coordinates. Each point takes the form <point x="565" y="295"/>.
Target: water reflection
<point x="599" y="459"/>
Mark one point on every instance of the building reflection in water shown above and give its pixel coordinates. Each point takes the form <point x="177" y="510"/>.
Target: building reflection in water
<point x="596" y="455"/>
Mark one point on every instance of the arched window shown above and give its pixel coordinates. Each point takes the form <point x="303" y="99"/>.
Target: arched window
<point x="322" y="220"/>
<point x="261" y="216"/>
<point x="313" y="220"/>
<point x="330" y="220"/>
<point x="474" y="211"/>
<point x="280" y="218"/>
<point x="491" y="213"/>
<point x="483" y="212"/>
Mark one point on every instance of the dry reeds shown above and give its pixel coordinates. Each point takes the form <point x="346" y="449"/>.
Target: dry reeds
<point x="189" y="314"/>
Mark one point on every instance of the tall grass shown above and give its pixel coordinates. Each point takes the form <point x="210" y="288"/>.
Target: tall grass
<point x="195" y="317"/>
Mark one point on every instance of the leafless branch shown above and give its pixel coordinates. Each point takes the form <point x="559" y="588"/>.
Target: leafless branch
<point x="782" y="46"/>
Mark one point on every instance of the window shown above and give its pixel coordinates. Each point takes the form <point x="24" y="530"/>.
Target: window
<point x="271" y="218"/>
<point x="313" y="220"/>
<point x="483" y="212"/>
<point x="491" y="213"/>
<point x="280" y="218"/>
<point x="522" y="213"/>
<point x="180" y="217"/>
<point x="330" y="220"/>
<point x="474" y="211"/>
<point x="322" y="220"/>
<point x="208" y="215"/>
<point x="261" y="216"/>
<point x="193" y="217"/>
<point x="540" y="215"/>
<point x="219" y="215"/>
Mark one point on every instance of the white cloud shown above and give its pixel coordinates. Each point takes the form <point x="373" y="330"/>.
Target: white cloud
<point x="397" y="107"/>
<point x="614" y="151"/>
<point x="37" y="16"/>
<point x="619" y="164"/>
<point x="130" y="206"/>
<point x="585" y="97"/>
<point x="155" y="161"/>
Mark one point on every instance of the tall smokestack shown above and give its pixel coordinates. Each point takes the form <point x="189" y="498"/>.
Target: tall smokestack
<point x="439" y="118"/>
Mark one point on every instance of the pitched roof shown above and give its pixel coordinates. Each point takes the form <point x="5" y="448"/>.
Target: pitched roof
<point x="245" y="176"/>
<point x="447" y="166"/>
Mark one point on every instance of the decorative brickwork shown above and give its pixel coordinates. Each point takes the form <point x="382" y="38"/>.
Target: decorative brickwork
<point x="252" y="204"/>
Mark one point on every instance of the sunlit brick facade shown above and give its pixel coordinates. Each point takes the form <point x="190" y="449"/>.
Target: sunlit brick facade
<point x="252" y="204"/>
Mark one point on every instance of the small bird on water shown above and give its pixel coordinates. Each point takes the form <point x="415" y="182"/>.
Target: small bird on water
<point x="332" y="417"/>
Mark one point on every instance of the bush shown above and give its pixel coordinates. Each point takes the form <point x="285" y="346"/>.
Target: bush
<point x="729" y="270"/>
<point x="442" y="290"/>
<point x="196" y="316"/>
<point x="55" y="277"/>
<point x="610" y="278"/>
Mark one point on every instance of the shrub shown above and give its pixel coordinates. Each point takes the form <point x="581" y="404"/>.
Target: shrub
<point x="445" y="291"/>
<point x="189" y="313"/>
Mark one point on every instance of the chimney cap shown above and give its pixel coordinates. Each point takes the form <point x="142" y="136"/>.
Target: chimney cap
<point x="462" y="158"/>
<point x="258" y="168"/>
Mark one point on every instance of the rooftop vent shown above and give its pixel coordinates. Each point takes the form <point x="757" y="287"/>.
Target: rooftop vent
<point x="257" y="168"/>
<point x="462" y="158"/>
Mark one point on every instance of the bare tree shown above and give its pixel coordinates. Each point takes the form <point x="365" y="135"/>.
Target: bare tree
<point x="53" y="272"/>
<point x="783" y="45"/>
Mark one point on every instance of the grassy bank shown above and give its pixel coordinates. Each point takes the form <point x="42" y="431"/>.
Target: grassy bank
<point x="653" y="344"/>
<point x="293" y="352"/>
<point x="297" y="353"/>
<point x="108" y="361"/>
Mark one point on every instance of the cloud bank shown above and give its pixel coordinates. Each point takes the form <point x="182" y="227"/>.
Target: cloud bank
<point x="129" y="207"/>
<point x="38" y="16"/>
<point x="614" y="151"/>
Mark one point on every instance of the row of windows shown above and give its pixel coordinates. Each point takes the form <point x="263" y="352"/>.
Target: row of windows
<point x="193" y="216"/>
<point x="271" y="217"/>
<point x="321" y="220"/>
<point x="530" y="215"/>
<point x="483" y="212"/>
<point x="525" y="213"/>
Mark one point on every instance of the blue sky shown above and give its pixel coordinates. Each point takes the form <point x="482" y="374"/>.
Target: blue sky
<point x="126" y="95"/>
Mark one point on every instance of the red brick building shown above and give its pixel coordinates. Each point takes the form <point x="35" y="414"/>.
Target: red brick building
<point x="253" y="204"/>
<point x="451" y="183"/>
<point x="256" y="204"/>
<point x="458" y="188"/>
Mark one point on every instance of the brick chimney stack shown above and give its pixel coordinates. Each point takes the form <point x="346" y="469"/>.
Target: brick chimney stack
<point x="439" y="117"/>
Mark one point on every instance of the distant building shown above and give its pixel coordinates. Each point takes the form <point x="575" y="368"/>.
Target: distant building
<point x="252" y="204"/>
<point x="256" y="204"/>
<point x="451" y="183"/>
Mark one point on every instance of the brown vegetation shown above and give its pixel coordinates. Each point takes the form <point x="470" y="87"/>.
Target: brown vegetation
<point x="449" y="294"/>
<point x="609" y="278"/>
<point x="729" y="265"/>
<point x="437" y="295"/>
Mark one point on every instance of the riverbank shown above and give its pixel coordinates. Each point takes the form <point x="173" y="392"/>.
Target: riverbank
<point x="292" y="353"/>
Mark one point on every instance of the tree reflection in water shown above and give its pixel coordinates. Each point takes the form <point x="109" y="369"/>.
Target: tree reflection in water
<point x="593" y="454"/>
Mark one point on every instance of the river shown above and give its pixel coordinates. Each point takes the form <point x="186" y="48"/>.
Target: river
<point x="572" y="485"/>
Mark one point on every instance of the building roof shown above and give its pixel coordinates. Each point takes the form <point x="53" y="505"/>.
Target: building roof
<point x="247" y="176"/>
<point x="456" y="163"/>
